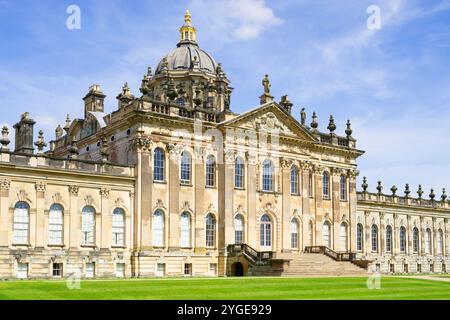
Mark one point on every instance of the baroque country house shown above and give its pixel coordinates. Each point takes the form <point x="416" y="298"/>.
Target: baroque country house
<point x="174" y="183"/>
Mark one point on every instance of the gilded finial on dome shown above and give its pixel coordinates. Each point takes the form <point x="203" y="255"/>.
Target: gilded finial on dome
<point x="187" y="17"/>
<point x="187" y="31"/>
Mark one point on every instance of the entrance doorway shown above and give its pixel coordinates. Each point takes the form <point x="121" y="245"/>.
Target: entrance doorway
<point x="238" y="269"/>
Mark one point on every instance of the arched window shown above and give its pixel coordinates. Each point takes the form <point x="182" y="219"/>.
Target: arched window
<point x="88" y="225"/>
<point x="185" y="228"/>
<point x="374" y="238"/>
<point x="359" y="237"/>
<point x="210" y="230"/>
<point x="21" y="223"/>
<point x="440" y="242"/>
<point x="158" y="165"/>
<point x="326" y="230"/>
<point x="343" y="188"/>
<point x="158" y="228"/>
<point x="428" y="241"/>
<point x="388" y="239"/>
<point x="266" y="233"/>
<point x="294" y="234"/>
<point x="268" y="175"/>
<point x="118" y="227"/>
<point x="55" y="225"/>
<point x="185" y="168"/>
<point x="311" y="233"/>
<point x="326" y="185"/>
<point x="210" y="171"/>
<point x="239" y="229"/>
<point x="416" y="240"/>
<point x="239" y="173"/>
<point x="294" y="180"/>
<point x="402" y="239"/>
<point x="343" y="236"/>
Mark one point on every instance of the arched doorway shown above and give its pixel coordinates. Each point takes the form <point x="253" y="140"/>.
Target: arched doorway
<point x="238" y="269"/>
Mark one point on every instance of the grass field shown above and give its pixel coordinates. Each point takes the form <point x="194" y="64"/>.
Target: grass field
<point x="227" y="289"/>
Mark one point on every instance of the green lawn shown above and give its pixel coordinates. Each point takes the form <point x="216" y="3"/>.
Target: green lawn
<point x="227" y="289"/>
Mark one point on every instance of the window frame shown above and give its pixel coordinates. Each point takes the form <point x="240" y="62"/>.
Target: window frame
<point x="295" y="177"/>
<point x="88" y="227"/>
<point x="295" y="231"/>
<point x="326" y="186"/>
<point x="159" y="165"/>
<point x="158" y="230"/>
<point x="389" y="242"/>
<point x="268" y="173"/>
<point x="210" y="171"/>
<point x="239" y="173"/>
<point x="185" y="168"/>
<point x="210" y="231"/>
<point x="343" y="194"/>
<point x="239" y="228"/>
<point x="118" y="231"/>
<point x="21" y="224"/>
<point x="185" y="233"/>
<point x="374" y="235"/>
<point x="359" y="237"/>
<point x="54" y="226"/>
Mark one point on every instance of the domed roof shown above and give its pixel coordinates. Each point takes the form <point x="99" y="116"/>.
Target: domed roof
<point x="185" y="56"/>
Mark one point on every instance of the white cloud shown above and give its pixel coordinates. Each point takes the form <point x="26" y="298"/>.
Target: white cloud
<point x="234" y="19"/>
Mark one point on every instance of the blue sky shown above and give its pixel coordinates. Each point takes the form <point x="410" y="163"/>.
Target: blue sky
<point x="393" y="83"/>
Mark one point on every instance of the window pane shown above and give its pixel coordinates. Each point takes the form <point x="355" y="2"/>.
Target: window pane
<point x="267" y="175"/>
<point x="185" y="168"/>
<point x="158" y="229"/>
<point x="118" y="227"/>
<point x="158" y="165"/>
<point x="210" y="231"/>
<point x="185" y="226"/>
<point x="326" y="185"/>
<point x="55" y="225"/>
<point x="21" y="223"/>
<point x="210" y="171"/>
<point x="239" y="173"/>
<point x="88" y="225"/>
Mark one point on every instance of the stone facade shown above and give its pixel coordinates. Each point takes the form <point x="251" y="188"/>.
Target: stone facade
<point x="165" y="184"/>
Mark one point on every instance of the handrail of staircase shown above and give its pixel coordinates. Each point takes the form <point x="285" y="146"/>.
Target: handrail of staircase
<point x="338" y="256"/>
<point x="256" y="256"/>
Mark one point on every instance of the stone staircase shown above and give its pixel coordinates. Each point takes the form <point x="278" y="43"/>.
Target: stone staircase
<point x="314" y="261"/>
<point x="310" y="264"/>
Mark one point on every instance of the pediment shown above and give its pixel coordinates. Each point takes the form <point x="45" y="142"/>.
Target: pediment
<point x="270" y="118"/>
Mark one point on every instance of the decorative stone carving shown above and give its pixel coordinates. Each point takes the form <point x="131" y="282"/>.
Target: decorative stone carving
<point x="89" y="200"/>
<point x="186" y="206"/>
<point x="104" y="192"/>
<point x="73" y="190"/>
<point x="23" y="196"/>
<point x="142" y="143"/>
<point x="57" y="198"/>
<point x="40" y="187"/>
<point x="286" y="163"/>
<point x="159" y="204"/>
<point x="119" y="203"/>
<point x="318" y="169"/>
<point x="5" y="184"/>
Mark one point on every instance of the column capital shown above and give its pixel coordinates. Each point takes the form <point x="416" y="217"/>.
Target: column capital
<point x="40" y="186"/>
<point x="73" y="190"/>
<point x="5" y="184"/>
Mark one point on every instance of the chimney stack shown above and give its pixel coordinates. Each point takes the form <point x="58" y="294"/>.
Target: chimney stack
<point x="94" y="101"/>
<point x="24" y="134"/>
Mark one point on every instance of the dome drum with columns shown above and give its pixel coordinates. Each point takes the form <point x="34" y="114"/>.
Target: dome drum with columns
<point x="190" y="77"/>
